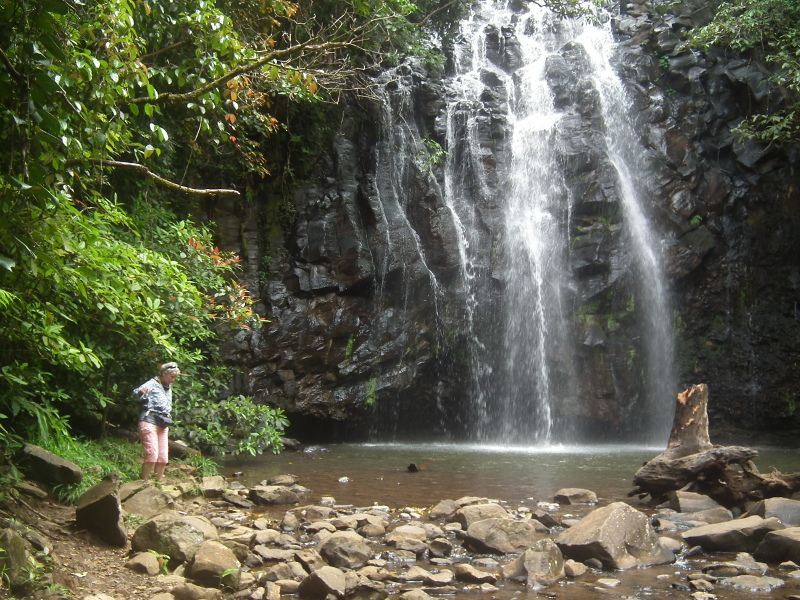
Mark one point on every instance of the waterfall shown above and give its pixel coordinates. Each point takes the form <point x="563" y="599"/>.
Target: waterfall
<point x="625" y="152"/>
<point x="525" y="377"/>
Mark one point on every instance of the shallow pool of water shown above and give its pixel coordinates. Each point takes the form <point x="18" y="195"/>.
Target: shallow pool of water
<point x="364" y="474"/>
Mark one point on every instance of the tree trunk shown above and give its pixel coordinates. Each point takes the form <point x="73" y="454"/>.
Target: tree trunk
<point x="692" y="462"/>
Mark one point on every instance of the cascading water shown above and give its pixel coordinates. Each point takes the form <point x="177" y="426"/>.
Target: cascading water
<point x="625" y="153"/>
<point x="519" y="392"/>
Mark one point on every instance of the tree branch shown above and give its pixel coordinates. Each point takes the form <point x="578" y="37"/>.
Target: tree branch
<point x="166" y="99"/>
<point x="11" y="70"/>
<point x="144" y="57"/>
<point x="430" y="15"/>
<point x="157" y="178"/>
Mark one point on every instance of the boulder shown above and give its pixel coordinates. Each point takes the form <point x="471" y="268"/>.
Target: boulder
<point x="325" y="580"/>
<point x="468" y="515"/>
<point x="215" y="565"/>
<point x="751" y="583"/>
<point x="443" y="511"/>
<point x="273" y="495"/>
<point x="712" y="515"/>
<point x="539" y="566"/>
<point x="44" y="466"/>
<point x="15" y="561"/>
<point x="345" y="549"/>
<point x="145" y="562"/>
<point x="99" y="511"/>
<point x="502" y="535"/>
<point x="739" y="535"/>
<point x="417" y="573"/>
<point x="690" y="502"/>
<point x="575" y="496"/>
<point x="786" y="510"/>
<point x="780" y="545"/>
<point x="286" y="480"/>
<point x="469" y="574"/>
<point x="405" y="532"/>
<point x="177" y="536"/>
<point x="214" y="486"/>
<point x="148" y="502"/>
<point x="190" y="591"/>
<point x="617" y="535"/>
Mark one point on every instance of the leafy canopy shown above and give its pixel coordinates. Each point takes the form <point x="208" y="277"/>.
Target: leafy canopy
<point x="121" y="121"/>
<point x="767" y="28"/>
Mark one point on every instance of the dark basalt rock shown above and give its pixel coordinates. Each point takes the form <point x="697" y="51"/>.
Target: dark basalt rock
<point x="369" y="312"/>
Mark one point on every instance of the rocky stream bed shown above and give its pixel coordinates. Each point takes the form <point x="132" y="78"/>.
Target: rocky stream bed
<point x="212" y="537"/>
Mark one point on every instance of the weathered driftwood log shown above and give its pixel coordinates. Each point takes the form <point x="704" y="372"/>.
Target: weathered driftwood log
<point x="693" y="463"/>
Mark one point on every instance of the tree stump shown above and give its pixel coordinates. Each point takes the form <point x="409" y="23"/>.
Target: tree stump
<point x="692" y="463"/>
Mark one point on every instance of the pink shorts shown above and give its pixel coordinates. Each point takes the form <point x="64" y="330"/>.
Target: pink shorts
<point x="155" y="442"/>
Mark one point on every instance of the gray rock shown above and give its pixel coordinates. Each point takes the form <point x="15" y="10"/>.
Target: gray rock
<point x="443" y="511"/>
<point x="215" y="565"/>
<point x="406" y="531"/>
<point x="345" y="549"/>
<point x="744" y="564"/>
<point x="710" y="516"/>
<point x="99" y="511"/>
<point x="786" y="510"/>
<point x="148" y="502"/>
<point x="415" y="594"/>
<point x="144" y="562"/>
<point x="617" y="535"/>
<point x="574" y="569"/>
<point x="781" y="545"/>
<point x="469" y="574"/>
<point x="540" y="565"/>
<point x="42" y="465"/>
<point x="691" y="502"/>
<point x="273" y="495"/>
<point x="285" y="479"/>
<point x="214" y="486"/>
<point x="15" y="561"/>
<point x="417" y="573"/>
<point x="502" y="535"/>
<point x="325" y="580"/>
<point x="177" y="536"/>
<point x="739" y="535"/>
<point x="751" y="583"/>
<point x="469" y="514"/>
<point x="190" y="591"/>
<point x="575" y="496"/>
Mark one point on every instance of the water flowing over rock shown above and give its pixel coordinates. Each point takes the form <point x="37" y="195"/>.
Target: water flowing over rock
<point x="526" y="285"/>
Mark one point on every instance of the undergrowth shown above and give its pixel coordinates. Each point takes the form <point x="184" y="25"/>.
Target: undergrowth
<point x="97" y="458"/>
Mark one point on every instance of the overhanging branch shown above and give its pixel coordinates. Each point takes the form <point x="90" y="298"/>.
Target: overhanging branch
<point x="141" y="169"/>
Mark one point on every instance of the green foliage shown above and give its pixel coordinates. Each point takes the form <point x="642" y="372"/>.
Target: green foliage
<point x="372" y="393"/>
<point x="430" y="154"/>
<point x="768" y="28"/>
<point x="235" y="425"/>
<point x="96" y="458"/>
<point x="696" y="221"/>
<point x="163" y="561"/>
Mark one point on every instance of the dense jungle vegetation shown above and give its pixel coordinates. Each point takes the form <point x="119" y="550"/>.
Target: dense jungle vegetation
<point x="123" y="121"/>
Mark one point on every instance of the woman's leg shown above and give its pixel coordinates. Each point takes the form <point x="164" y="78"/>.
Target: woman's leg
<point x="149" y="438"/>
<point x="163" y="452"/>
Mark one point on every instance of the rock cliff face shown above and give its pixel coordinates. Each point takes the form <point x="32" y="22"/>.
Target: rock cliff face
<point x="389" y="305"/>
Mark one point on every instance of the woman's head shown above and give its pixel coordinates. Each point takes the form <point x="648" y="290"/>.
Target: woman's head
<point x="168" y="372"/>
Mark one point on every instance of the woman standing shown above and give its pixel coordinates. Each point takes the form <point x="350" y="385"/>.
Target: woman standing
<point x="155" y="396"/>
